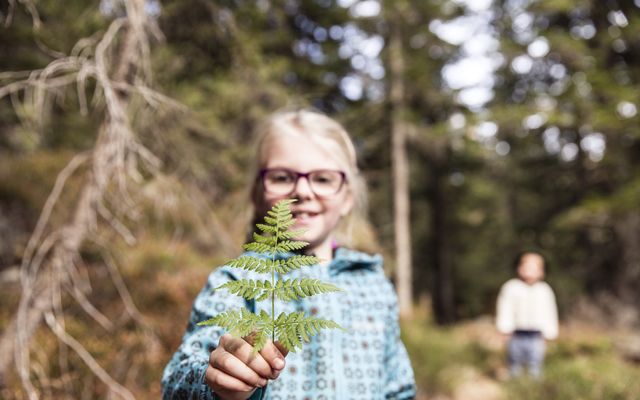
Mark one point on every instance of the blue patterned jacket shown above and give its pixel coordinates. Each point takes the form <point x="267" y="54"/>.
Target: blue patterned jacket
<point x="368" y="362"/>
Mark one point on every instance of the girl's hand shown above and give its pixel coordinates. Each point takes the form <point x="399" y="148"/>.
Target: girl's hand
<point x="234" y="372"/>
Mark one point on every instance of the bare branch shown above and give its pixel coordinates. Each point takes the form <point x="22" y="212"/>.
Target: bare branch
<point x="6" y="20"/>
<point x="52" y="199"/>
<point x="33" y="11"/>
<point x="97" y="370"/>
<point x="130" y="306"/>
<point x="115" y="223"/>
<point x="119" y="61"/>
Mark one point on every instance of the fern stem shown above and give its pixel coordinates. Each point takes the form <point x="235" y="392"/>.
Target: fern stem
<point x="273" y="285"/>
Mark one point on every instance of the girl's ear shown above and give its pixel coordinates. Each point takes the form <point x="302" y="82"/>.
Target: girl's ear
<point x="347" y="205"/>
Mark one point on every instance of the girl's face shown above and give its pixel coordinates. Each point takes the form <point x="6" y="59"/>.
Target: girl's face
<point x="317" y="216"/>
<point x="531" y="268"/>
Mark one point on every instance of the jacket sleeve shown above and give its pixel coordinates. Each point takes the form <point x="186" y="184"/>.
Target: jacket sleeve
<point x="183" y="377"/>
<point x="399" y="382"/>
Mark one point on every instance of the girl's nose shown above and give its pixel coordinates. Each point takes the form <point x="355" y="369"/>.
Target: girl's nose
<point x="303" y="189"/>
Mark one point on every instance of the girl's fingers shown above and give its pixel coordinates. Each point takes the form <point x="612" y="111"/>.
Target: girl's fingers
<point x="219" y="380"/>
<point x="274" y="355"/>
<point x="283" y="350"/>
<point x="231" y="365"/>
<point x="244" y="352"/>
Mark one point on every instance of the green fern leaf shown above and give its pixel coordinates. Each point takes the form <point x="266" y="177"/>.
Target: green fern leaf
<point x="285" y="223"/>
<point x="267" y="228"/>
<point x="293" y="289"/>
<point x="268" y="240"/>
<point x="297" y="261"/>
<point x="227" y="320"/>
<point x="259" y="247"/>
<point x="293" y="329"/>
<point x="248" y="263"/>
<point x="247" y="289"/>
<point x="285" y="246"/>
<point x="289" y="264"/>
<point x="290" y="234"/>
<point x="237" y="322"/>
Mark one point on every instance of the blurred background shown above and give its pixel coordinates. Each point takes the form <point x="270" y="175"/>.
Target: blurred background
<point x="125" y="131"/>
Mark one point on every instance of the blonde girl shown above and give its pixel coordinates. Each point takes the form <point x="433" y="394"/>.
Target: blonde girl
<point x="306" y="156"/>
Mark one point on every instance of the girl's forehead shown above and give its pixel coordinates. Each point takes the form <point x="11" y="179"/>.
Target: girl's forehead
<point x="302" y="153"/>
<point x="532" y="259"/>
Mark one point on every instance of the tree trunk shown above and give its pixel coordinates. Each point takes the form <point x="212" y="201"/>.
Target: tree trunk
<point x="400" y="170"/>
<point x="626" y="282"/>
<point x="442" y="287"/>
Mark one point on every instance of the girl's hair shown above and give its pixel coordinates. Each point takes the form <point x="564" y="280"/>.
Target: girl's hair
<point x="518" y="258"/>
<point x="354" y="230"/>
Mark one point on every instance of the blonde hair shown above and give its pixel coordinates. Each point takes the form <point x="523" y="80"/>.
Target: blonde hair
<point x="354" y="229"/>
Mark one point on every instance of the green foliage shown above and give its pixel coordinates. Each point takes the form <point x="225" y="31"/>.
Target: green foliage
<point x="292" y="329"/>
<point x="582" y="364"/>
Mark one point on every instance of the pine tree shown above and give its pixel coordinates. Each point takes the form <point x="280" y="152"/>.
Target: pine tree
<point x="276" y="240"/>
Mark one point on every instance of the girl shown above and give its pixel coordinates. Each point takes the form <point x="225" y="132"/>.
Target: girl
<point x="306" y="156"/>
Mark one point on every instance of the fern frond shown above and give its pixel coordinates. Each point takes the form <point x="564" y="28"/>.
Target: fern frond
<point x="244" y="323"/>
<point x="273" y="214"/>
<point x="285" y="224"/>
<point x="283" y="206"/>
<point x="289" y="264"/>
<point x="237" y="322"/>
<point x="226" y="320"/>
<point x="258" y="247"/>
<point x="248" y="324"/>
<point x="295" y="328"/>
<point x="267" y="228"/>
<point x="297" y="261"/>
<point x="290" y="329"/>
<point x="268" y="240"/>
<point x="285" y="246"/>
<point x="261" y="265"/>
<point x="276" y="265"/>
<point x="261" y="335"/>
<point x="289" y="234"/>
<point x="293" y="289"/>
<point x="247" y="288"/>
<point x="282" y="212"/>
<point x="249" y="263"/>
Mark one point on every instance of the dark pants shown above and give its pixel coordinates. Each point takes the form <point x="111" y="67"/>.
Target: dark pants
<point x="526" y="349"/>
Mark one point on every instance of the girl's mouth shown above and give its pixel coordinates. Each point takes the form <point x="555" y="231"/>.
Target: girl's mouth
<point x="303" y="216"/>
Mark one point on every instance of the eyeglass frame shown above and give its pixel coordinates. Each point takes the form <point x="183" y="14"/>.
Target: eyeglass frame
<point x="298" y="175"/>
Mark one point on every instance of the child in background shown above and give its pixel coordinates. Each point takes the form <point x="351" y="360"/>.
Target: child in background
<point x="527" y="314"/>
<point x="306" y="156"/>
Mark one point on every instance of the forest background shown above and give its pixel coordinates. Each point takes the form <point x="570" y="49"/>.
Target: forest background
<point x="483" y="128"/>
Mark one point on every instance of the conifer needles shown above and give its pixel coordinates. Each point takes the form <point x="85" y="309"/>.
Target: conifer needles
<point x="273" y="247"/>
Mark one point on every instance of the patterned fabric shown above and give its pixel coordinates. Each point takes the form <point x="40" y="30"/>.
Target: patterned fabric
<point x="368" y="362"/>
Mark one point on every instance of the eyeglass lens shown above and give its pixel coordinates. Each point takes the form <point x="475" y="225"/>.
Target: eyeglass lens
<point x="321" y="182"/>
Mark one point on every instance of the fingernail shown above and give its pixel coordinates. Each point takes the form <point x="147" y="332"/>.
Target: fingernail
<point x="278" y="363"/>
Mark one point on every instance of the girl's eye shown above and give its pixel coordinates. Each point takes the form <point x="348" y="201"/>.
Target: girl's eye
<point x="324" y="178"/>
<point x="280" y="177"/>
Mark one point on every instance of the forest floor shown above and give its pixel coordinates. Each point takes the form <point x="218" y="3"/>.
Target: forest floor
<point x="467" y="362"/>
<point x="461" y="362"/>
